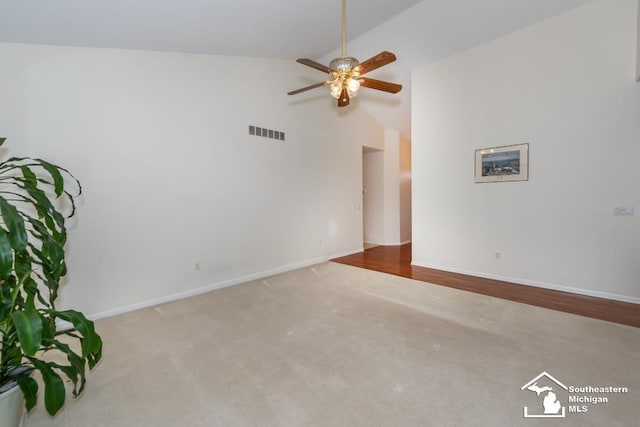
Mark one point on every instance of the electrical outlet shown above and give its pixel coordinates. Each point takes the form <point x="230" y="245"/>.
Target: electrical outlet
<point x="197" y="266"/>
<point x="498" y="255"/>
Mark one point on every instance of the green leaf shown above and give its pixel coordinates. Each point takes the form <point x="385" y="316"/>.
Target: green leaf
<point x="76" y="368"/>
<point x="30" y="177"/>
<point x="2" y="140"/>
<point x="55" y="251"/>
<point x="29" y="388"/>
<point x="11" y="352"/>
<point x="91" y="341"/>
<point x="42" y="204"/>
<point x="23" y="264"/>
<point x="55" y="174"/>
<point x="29" y="327"/>
<point x="54" y="391"/>
<point x="6" y="255"/>
<point x="31" y="289"/>
<point x="48" y="328"/>
<point x="6" y="302"/>
<point x="12" y="283"/>
<point x="15" y="223"/>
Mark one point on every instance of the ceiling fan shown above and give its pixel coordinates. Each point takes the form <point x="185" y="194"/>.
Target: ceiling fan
<point x="346" y="72"/>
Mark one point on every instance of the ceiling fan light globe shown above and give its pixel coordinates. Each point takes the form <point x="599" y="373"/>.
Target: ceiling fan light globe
<point x="336" y="88"/>
<point x="352" y="87"/>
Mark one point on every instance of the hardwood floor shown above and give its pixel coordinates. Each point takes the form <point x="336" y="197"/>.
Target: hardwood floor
<point x="397" y="260"/>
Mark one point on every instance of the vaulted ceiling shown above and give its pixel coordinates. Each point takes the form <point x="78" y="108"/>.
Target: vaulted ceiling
<point x="274" y="29"/>
<point x="419" y="32"/>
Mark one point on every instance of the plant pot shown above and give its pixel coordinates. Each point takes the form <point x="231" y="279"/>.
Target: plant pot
<point x="11" y="407"/>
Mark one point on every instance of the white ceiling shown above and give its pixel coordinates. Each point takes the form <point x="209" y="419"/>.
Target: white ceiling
<point x="419" y="32"/>
<point x="258" y="28"/>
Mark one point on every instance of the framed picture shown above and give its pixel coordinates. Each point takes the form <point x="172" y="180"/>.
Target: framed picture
<point x="500" y="164"/>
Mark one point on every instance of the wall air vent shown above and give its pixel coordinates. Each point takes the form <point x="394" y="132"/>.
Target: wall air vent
<point x="266" y="133"/>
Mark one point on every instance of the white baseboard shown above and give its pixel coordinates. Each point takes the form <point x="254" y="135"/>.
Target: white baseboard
<point x="279" y="270"/>
<point x="389" y="243"/>
<point x="209" y="288"/>
<point x="519" y="281"/>
<point x="340" y="255"/>
<point x="219" y="285"/>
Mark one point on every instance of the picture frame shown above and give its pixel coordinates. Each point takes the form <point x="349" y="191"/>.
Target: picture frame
<point x="502" y="164"/>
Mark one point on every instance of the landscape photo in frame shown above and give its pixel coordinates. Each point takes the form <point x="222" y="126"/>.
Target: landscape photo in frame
<point x="502" y="164"/>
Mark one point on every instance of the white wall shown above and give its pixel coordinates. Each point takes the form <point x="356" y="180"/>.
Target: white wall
<point x="397" y="188"/>
<point x="567" y="87"/>
<point x="172" y="178"/>
<point x="391" y="187"/>
<point x="405" y="190"/>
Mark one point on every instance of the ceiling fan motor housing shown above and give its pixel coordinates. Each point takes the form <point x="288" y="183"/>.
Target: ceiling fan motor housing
<point x="344" y="63"/>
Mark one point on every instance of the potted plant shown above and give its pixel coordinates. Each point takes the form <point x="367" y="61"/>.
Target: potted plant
<point x="34" y="198"/>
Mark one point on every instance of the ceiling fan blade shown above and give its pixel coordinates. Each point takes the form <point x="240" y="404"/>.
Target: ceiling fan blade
<point x="304" y="89"/>
<point x="383" y="58"/>
<point x="343" y="101"/>
<point x="313" y="64"/>
<point x="380" y="85"/>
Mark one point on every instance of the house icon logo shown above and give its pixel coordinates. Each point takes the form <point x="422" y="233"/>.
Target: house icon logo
<point x="545" y="387"/>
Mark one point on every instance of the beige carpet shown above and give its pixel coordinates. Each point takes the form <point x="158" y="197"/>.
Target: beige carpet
<point x="335" y="345"/>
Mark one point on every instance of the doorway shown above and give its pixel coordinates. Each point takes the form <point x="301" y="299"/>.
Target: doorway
<point x="386" y="192"/>
<point x="372" y="197"/>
